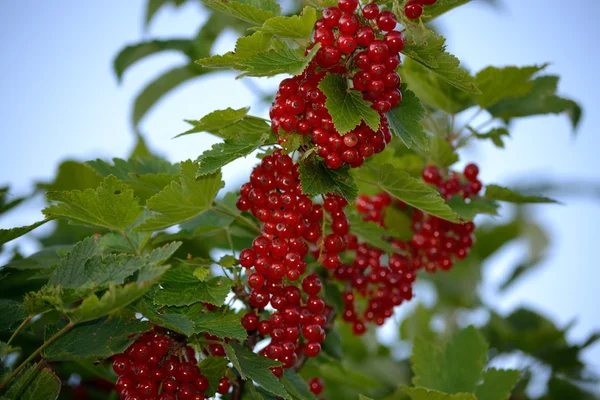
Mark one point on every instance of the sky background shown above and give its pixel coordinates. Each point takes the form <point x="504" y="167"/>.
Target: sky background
<point x="59" y="100"/>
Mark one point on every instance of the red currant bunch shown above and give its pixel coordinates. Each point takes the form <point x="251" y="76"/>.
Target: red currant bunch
<point x="276" y="261"/>
<point x="414" y="8"/>
<point x="382" y="287"/>
<point x="364" y="45"/>
<point x="156" y="367"/>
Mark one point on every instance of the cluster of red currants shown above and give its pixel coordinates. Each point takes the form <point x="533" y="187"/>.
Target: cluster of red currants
<point x="365" y="46"/>
<point x="466" y="185"/>
<point x="155" y="367"/>
<point x="290" y="220"/>
<point x="414" y="8"/>
<point x="383" y="286"/>
<point x="354" y="45"/>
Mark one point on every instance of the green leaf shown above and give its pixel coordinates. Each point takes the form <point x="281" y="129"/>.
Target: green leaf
<point x="468" y="210"/>
<point x="5" y="205"/>
<point x="222" y="154"/>
<point x="245" y="47"/>
<point x="216" y="120"/>
<point x="497" y="84"/>
<point x="131" y="54"/>
<point x="213" y="368"/>
<point x="35" y="382"/>
<point x="296" y="386"/>
<point x="398" y="224"/>
<point x="84" y="266"/>
<point x="405" y="120"/>
<point x="154" y="6"/>
<point x="273" y="62"/>
<point x="183" y="200"/>
<point x="111" y="206"/>
<point x="174" y="321"/>
<point x="317" y="179"/>
<point x="291" y="142"/>
<point x="335" y="372"/>
<point x="500" y="193"/>
<point x="221" y="324"/>
<point x="253" y="11"/>
<point x="371" y="233"/>
<point x="429" y="49"/>
<point x="256" y="368"/>
<point x="418" y="324"/>
<point x="402" y="186"/>
<point x="497" y="384"/>
<point x="133" y="167"/>
<point x="73" y="175"/>
<point x="12" y="313"/>
<point x="542" y="99"/>
<point x="115" y="298"/>
<point x="453" y="369"/>
<point x="294" y="27"/>
<point x="419" y="393"/>
<point x="6" y="235"/>
<point x="441" y="7"/>
<point x="6" y="349"/>
<point x="433" y="90"/>
<point x="180" y="287"/>
<point x="97" y="339"/>
<point x="494" y="134"/>
<point x="347" y="107"/>
<point x="159" y="88"/>
<point x="442" y="153"/>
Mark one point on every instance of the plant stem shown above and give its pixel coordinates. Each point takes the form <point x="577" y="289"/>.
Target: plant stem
<point x="135" y="250"/>
<point x="47" y="343"/>
<point x="469" y="121"/>
<point x="19" y="329"/>
<point x="238" y="389"/>
<point x="227" y="211"/>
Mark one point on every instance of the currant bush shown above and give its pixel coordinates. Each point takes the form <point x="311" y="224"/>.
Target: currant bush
<point x="248" y="291"/>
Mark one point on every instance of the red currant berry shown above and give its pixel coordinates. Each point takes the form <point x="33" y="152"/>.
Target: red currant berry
<point x="331" y="16"/>
<point x="346" y="43"/>
<point x="250" y="321"/>
<point x="224" y="386"/>
<point x="395" y="41"/>
<point x="312" y="285"/>
<point x="316" y="384"/>
<point x="312" y="349"/>
<point x="370" y="11"/>
<point x="328" y="56"/>
<point x="471" y="171"/>
<point x="365" y="36"/>
<point x="348" y="24"/>
<point x="413" y="10"/>
<point x="386" y="21"/>
<point x="201" y="383"/>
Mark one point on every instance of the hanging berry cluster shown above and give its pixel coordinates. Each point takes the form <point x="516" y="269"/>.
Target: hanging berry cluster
<point x="276" y="261"/>
<point x="414" y="8"/>
<point x="436" y="244"/>
<point x="156" y="366"/>
<point x="364" y="48"/>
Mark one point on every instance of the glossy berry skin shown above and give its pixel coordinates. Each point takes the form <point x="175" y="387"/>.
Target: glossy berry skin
<point x="331" y="16"/>
<point x="413" y="10"/>
<point x="370" y="11"/>
<point x="471" y="171"/>
<point x="347" y="6"/>
<point x="315" y="385"/>
<point x="386" y="21"/>
<point x="224" y="386"/>
<point x="250" y="321"/>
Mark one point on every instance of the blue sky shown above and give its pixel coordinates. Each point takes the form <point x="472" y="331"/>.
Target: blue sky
<point x="60" y="100"/>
